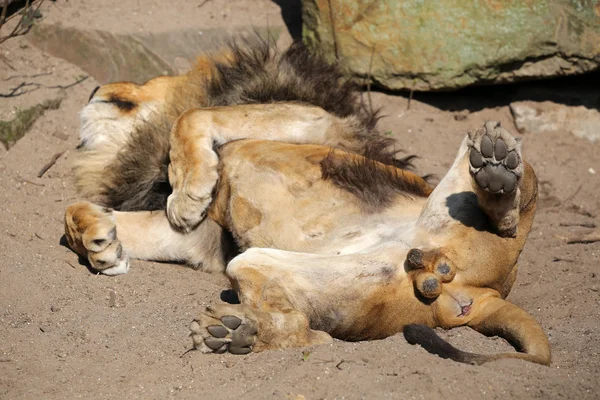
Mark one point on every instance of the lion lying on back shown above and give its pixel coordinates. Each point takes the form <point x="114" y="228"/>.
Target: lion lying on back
<point x="270" y="171"/>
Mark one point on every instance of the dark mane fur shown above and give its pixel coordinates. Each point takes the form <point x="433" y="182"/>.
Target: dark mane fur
<point x="376" y="185"/>
<point x="259" y="73"/>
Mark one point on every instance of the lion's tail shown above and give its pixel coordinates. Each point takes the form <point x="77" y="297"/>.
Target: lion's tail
<point x="430" y="341"/>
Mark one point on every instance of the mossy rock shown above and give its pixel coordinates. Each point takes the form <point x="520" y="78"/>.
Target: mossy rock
<point x="448" y="44"/>
<point x="13" y="130"/>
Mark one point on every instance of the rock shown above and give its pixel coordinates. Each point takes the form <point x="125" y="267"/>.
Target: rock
<point x="448" y="44"/>
<point x="539" y="117"/>
<point x="112" y="57"/>
<point x="12" y="131"/>
<point x="104" y="56"/>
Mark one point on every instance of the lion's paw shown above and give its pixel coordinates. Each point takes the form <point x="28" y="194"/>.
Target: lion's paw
<point x="221" y="329"/>
<point x="91" y="231"/>
<point x="185" y="211"/>
<point x="430" y="270"/>
<point x="495" y="159"/>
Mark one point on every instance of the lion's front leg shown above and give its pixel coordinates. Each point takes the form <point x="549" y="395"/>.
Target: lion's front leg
<point x="91" y="231"/>
<point x="107" y="238"/>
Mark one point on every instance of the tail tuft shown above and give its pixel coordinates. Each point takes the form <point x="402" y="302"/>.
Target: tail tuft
<point x="430" y="341"/>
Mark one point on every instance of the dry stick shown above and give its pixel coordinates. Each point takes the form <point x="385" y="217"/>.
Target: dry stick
<point x="3" y="16"/>
<point x="25" y="15"/>
<point x="335" y="47"/>
<point x="583" y="224"/>
<point x="369" y="80"/>
<point x="572" y="196"/>
<point x="17" y="14"/>
<point x="31" y="183"/>
<point x="585" y="238"/>
<point x="27" y="76"/>
<point x="14" y="31"/>
<point x="50" y="164"/>
<point x="5" y="61"/>
<point x="410" y="96"/>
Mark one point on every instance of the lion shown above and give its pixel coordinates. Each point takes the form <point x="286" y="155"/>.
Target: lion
<point x="265" y="166"/>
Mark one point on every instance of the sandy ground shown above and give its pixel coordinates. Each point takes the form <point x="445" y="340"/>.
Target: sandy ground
<point x="68" y="333"/>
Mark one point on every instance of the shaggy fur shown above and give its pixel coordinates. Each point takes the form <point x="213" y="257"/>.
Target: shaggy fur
<point x="375" y="186"/>
<point x="254" y="73"/>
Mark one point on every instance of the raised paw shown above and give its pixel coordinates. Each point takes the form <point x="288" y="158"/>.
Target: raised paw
<point x="221" y="329"/>
<point x="495" y="160"/>
<point x="92" y="233"/>
<point x="429" y="270"/>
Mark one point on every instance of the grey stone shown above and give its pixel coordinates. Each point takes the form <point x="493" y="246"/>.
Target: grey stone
<point x="112" y="57"/>
<point x="540" y="117"/>
<point x="448" y="44"/>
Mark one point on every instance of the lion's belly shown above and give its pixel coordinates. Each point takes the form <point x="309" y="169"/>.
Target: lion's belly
<point x="321" y="219"/>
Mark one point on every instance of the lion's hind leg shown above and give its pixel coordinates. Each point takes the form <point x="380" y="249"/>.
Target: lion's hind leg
<point x="268" y="317"/>
<point x="429" y="269"/>
<point x="496" y="165"/>
<point x="241" y="328"/>
<point x="193" y="168"/>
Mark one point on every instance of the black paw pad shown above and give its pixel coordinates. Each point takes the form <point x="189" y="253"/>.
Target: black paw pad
<point x="415" y="259"/>
<point x="512" y="161"/>
<point x="430" y="285"/>
<point x="443" y="269"/>
<point x="217" y="331"/>
<point x="500" y="150"/>
<point x="214" y="344"/>
<point x="487" y="147"/>
<point x="495" y="166"/>
<point x="475" y="159"/>
<point x="231" y="321"/>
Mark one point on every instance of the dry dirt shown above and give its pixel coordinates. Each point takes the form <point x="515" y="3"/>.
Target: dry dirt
<point x="68" y="333"/>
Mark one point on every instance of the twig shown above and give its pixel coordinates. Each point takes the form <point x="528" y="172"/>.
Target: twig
<point x="203" y="3"/>
<point x="187" y="351"/>
<point x="50" y="164"/>
<point x="583" y="224"/>
<point x="369" y="80"/>
<point x="410" y="96"/>
<point x="5" y="61"/>
<point x="572" y="196"/>
<point x="31" y="183"/>
<point x="36" y="86"/>
<point x="15" y="30"/>
<point x="557" y="259"/>
<point x="590" y="237"/>
<point x="26" y="14"/>
<point x="3" y="16"/>
<point x="27" y="76"/>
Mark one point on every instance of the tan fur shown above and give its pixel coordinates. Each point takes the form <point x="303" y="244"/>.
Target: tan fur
<point x="315" y="262"/>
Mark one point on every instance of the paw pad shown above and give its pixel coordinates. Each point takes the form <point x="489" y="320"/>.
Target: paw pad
<point x="225" y="334"/>
<point x="495" y="160"/>
<point x="429" y="269"/>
